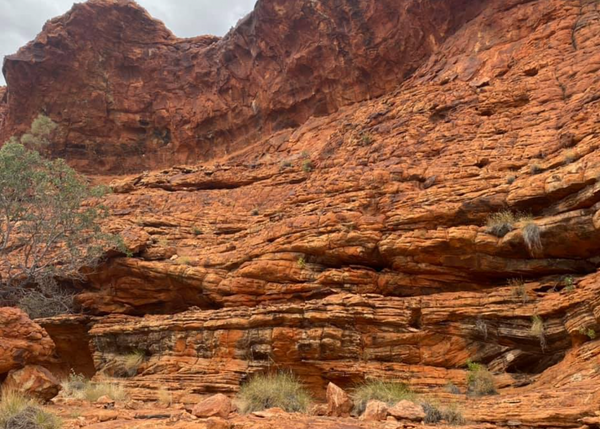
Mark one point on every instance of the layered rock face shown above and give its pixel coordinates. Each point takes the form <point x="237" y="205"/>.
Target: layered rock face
<point x="355" y="245"/>
<point x="130" y="96"/>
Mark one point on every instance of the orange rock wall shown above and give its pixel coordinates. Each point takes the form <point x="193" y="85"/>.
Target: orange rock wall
<point x="355" y="244"/>
<point x="130" y="96"/>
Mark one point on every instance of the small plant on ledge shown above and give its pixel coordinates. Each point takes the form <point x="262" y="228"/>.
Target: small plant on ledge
<point x="519" y="290"/>
<point x="302" y="262"/>
<point x="501" y="223"/>
<point x="588" y="332"/>
<point x="480" y="381"/>
<point x="537" y="329"/>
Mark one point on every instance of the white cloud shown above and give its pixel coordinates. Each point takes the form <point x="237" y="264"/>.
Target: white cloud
<point x="22" y="20"/>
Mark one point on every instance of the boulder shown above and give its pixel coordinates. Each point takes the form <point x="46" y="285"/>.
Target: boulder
<point x="407" y="410"/>
<point x="22" y="341"/>
<point x="339" y="403"/>
<point x="33" y="381"/>
<point x="217" y="405"/>
<point x="376" y="411"/>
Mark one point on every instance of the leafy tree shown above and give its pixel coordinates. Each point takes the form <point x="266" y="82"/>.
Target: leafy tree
<point x="38" y="137"/>
<point x="49" y="229"/>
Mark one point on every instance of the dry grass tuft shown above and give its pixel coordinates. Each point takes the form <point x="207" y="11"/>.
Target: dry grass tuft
<point x="389" y="392"/>
<point x="165" y="397"/>
<point x="519" y="290"/>
<point x="537" y="330"/>
<point x="281" y="390"/>
<point x="20" y="412"/>
<point x="77" y="386"/>
<point x="501" y="223"/>
<point x="531" y="236"/>
<point x="480" y="381"/>
<point x="434" y="414"/>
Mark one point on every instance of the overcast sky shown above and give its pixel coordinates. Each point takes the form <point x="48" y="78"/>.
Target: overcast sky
<point x="22" y="20"/>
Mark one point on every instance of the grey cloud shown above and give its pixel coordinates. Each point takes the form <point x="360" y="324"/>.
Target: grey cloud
<point x="22" y="20"/>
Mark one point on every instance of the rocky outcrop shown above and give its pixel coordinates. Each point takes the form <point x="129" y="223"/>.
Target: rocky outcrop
<point x="130" y="96"/>
<point x="33" y="381"/>
<point x="22" y="342"/>
<point x="389" y="196"/>
<point x="355" y="245"/>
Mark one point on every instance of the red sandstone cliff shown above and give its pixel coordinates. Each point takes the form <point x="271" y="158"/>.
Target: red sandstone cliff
<point x="131" y="96"/>
<point x="352" y="244"/>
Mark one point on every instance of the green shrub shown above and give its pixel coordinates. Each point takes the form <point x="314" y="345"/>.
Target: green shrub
<point x="588" y="332"/>
<point x="19" y="412"/>
<point x="569" y="284"/>
<point x="480" y="381"/>
<point x="51" y="228"/>
<point x="196" y="231"/>
<point x="281" y="390"/>
<point x="38" y="137"/>
<point x="389" y="392"/>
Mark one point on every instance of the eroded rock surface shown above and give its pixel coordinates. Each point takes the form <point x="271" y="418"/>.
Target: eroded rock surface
<point x="34" y="381"/>
<point x="22" y="342"/>
<point x="353" y="244"/>
<point x="135" y="97"/>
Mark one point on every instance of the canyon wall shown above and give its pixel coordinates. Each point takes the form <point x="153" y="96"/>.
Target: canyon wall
<point x="130" y="96"/>
<point x="338" y="223"/>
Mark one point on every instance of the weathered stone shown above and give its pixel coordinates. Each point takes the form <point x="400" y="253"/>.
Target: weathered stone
<point x="22" y="342"/>
<point x="33" y="381"/>
<point x="215" y="406"/>
<point x="376" y="411"/>
<point x="407" y="410"/>
<point x="339" y="403"/>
